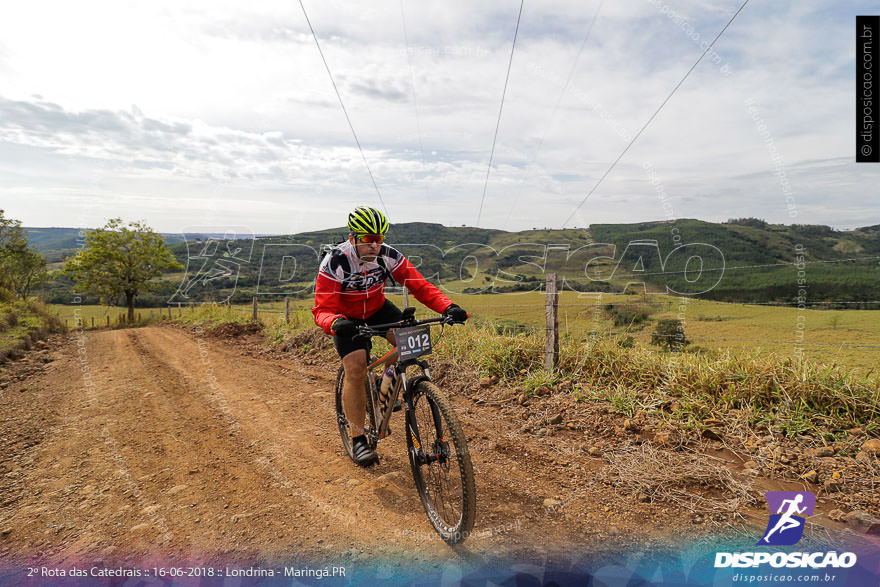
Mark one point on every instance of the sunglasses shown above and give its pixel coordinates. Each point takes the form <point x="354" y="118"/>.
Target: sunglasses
<point x="371" y="238"/>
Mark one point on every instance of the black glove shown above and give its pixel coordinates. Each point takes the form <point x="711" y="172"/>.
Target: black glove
<point x="344" y="327"/>
<point x="456" y="314"/>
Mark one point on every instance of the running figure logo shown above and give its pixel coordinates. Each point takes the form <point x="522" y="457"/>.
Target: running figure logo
<point x="788" y="513"/>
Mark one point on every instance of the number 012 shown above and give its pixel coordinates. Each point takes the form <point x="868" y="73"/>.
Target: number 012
<point x="417" y="341"/>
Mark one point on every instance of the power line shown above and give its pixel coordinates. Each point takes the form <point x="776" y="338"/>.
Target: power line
<point x="656" y="112"/>
<point x="559" y="100"/>
<point x="500" y="109"/>
<point x="344" y="111"/>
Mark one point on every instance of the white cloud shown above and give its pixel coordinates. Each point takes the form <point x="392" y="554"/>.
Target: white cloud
<point x="237" y="101"/>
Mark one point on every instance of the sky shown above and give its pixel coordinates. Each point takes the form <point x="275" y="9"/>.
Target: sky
<point x="212" y="114"/>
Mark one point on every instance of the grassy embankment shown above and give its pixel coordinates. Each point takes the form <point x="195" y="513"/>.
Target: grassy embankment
<point x="830" y="337"/>
<point x="761" y="389"/>
<point x="22" y="323"/>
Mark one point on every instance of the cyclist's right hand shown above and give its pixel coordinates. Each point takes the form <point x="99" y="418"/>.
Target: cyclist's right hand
<point x="344" y="327"/>
<point x="456" y="314"/>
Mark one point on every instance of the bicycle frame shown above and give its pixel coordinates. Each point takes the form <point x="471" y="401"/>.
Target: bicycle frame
<point x="402" y="366"/>
<point x="436" y="444"/>
<point x="404" y="385"/>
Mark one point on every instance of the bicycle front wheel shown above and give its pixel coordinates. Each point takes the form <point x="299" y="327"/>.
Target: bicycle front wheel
<point x="441" y="463"/>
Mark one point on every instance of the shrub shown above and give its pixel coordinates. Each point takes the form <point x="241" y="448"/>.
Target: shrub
<point x="669" y="335"/>
<point x="625" y="316"/>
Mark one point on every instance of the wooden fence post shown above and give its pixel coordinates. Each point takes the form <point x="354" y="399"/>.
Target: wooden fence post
<point x="93" y="321"/>
<point x="179" y="309"/>
<point x="169" y="312"/>
<point x="551" y="306"/>
<point x="255" y="309"/>
<point x="287" y="310"/>
<point x="139" y="316"/>
<point x="108" y="320"/>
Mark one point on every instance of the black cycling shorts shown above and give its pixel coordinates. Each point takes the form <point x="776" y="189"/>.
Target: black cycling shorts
<point x="385" y="315"/>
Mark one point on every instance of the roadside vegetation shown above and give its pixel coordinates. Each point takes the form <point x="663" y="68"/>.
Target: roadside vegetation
<point x="763" y="390"/>
<point x="120" y="262"/>
<point x="23" y="322"/>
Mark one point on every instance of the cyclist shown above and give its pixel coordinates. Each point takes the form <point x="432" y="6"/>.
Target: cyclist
<point x="350" y="290"/>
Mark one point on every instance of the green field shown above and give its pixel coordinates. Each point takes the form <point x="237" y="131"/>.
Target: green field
<point x="843" y="337"/>
<point x="828" y="336"/>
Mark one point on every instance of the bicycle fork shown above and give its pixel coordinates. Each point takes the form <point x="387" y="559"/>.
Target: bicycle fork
<point x="439" y="449"/>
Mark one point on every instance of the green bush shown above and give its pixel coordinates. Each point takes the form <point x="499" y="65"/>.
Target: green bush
<point x="669" y="335"/>
<point x="626" y="316"/>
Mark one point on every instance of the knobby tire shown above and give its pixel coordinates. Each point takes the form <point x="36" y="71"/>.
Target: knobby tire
<point x="437" y="484"/>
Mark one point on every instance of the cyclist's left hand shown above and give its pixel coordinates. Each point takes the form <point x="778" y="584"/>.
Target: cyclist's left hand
<point x="456" y="314"/>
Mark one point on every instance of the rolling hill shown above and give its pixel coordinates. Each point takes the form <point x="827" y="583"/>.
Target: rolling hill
<point x="743" y="260"/>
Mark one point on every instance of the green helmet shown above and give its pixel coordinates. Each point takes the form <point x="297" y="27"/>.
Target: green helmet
<point x="366" y="220"/>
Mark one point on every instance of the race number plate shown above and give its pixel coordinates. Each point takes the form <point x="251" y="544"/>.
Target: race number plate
<point x="414" y="341"/>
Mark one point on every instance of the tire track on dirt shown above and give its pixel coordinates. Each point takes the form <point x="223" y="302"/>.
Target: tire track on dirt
<point x="285" y="412"/>
<point x="263" y="403"/>
<point x="510" y="516"/>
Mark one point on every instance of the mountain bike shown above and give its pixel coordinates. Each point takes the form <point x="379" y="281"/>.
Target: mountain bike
<point x="437" y="447"/>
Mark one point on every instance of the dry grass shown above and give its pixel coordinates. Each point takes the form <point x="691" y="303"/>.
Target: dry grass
<point x="673" y="476"/>
<point x="757" y="391"/>
<point x="765" y="391"/>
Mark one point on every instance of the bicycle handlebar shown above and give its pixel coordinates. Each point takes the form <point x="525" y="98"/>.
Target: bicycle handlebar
<point x="364" y="330"/>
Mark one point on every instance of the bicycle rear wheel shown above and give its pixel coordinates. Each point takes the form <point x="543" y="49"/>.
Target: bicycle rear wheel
<point x="441" y="463"/>
<point x="342" y="421"/>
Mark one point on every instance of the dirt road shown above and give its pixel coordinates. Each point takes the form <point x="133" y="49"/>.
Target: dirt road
<point x="153" y="443"/>
<point x="160" y="444"/>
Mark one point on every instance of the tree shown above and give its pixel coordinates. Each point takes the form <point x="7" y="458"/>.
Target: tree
<point x="120" y="261"/>
<point x="669" y="335"/>
<point x="28" y="272"/>
<point x="21" y="268"/>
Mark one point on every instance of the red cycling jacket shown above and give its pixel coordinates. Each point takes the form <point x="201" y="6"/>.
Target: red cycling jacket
<point x="350" y="288"/>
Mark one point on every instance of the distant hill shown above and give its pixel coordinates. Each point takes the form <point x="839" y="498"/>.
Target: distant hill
<point x="759" y="257"/>
<point x="743" y="260"/>
<point x="58" y="243"/>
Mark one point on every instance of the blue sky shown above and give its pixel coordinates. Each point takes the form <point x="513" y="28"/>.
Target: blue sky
<point x="210" y="114"/>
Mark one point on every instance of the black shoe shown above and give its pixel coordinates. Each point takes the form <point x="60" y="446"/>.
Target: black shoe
<point x="397" y="406"/>
<point x="363" y="455"/>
